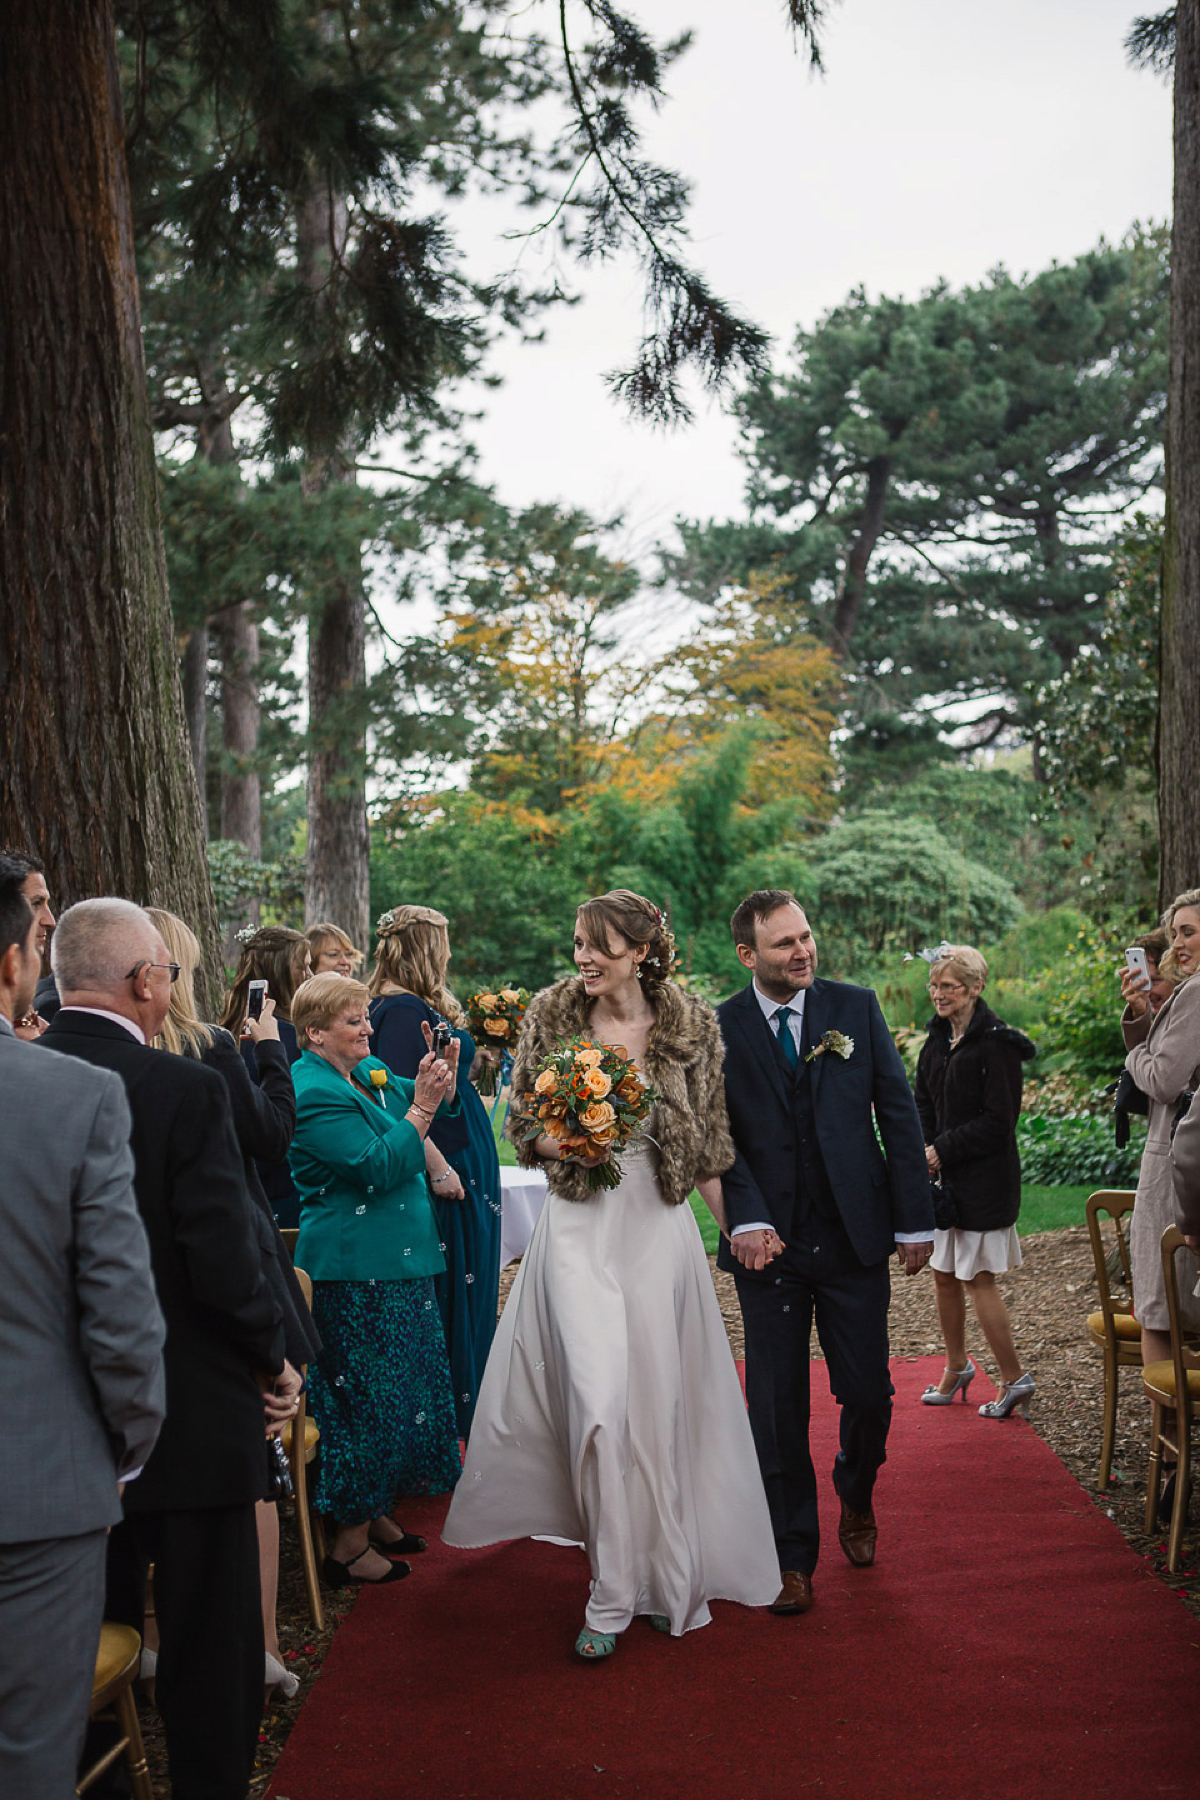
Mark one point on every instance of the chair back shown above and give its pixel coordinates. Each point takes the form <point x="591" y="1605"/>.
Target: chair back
<point x="1184" y="1354"/>
<point x="289" y="1234"/>
<point x="305" y="1282"/>
<point x="1111" y="1266"/>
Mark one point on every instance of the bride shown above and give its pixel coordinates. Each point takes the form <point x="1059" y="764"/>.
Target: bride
<point x="610" y="1412"/>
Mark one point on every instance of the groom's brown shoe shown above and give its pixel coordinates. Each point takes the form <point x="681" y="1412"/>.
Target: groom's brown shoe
<point x="857" y="1534"/>
<point x="795" y="1596"/>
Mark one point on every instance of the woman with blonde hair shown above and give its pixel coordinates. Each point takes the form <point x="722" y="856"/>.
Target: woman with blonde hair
<point x="264" y="1119"/>
<point x="1164" y="1061"/>
<point x="332" y="951"/>
<point x="968" y="1094"/>
<point x="410" y="995"/>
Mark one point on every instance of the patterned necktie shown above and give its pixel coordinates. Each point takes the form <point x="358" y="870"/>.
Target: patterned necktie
<point x="787" y="1042"/>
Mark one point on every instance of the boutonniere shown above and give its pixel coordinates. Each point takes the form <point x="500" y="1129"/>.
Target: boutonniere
<point x="379" y="1077"/>
<point x="837" y="1041"/>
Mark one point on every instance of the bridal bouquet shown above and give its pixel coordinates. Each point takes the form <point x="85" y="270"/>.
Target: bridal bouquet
<point x="494" y="1019"/>
<point x="588" y="1097"/>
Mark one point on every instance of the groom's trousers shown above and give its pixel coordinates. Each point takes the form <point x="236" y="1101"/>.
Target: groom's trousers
<point x="818" y="1277"/>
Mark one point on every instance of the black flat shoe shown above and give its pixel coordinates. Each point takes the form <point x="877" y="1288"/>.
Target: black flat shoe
<point x="337" y="1574"/>
<point x="407" y="1544"/>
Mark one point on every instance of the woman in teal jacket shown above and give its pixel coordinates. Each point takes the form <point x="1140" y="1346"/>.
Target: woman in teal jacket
<point x="381" y="1394"/>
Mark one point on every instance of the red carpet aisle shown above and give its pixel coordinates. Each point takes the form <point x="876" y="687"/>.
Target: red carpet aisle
<point x="1007" y="1645"/>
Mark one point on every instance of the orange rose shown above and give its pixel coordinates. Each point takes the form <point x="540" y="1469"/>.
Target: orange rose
<point x="546" y="1082"/>
<point x="486" y="1001"/>
<point x="496" y="1027"/>
<point x="597" y="1084"/>
<point x="598" y="1117"/>
<point x="629" y="1089"/>
<point x="602" y="1139"/>
<point x="589" y="1058"/>
<point x="511" y="995"/>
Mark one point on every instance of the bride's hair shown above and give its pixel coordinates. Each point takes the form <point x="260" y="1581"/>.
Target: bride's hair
<point x="637" y="921"/>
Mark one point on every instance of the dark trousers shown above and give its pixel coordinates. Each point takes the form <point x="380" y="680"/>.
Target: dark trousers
<point x="207" y="1601"/>
<point x="51" y="1605"/>
<point x="818" y="1276"/>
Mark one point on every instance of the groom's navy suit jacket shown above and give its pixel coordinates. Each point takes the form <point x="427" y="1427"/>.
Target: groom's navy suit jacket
<point x="877" y="1192"/>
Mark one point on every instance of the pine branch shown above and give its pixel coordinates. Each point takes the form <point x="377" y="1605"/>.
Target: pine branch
<point x="1151" y="42"/>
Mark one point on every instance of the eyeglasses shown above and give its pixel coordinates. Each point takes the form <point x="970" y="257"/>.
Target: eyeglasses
<point x="138" y="967"/>
<point x="944" y="990"/>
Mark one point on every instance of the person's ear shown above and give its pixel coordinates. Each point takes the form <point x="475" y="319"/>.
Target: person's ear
<point x="746" y="955"/>
<point x="10" y="966"/>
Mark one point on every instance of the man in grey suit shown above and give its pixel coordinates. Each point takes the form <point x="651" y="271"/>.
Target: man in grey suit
<point x="81" y="1372"/>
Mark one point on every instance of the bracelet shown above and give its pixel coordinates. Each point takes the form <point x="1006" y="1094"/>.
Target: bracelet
<point x="415" y="1106"/>
<point x="437" y="1180"/>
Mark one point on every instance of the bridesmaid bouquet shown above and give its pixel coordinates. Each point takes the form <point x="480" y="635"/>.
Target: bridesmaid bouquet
<point x="588" y="1097"/>
<point x="494" y="1019"/>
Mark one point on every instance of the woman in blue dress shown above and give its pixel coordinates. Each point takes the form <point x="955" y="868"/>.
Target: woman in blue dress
<point x="408" y="987"/>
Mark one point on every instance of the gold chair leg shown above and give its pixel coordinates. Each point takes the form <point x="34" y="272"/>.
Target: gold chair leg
<point x="1179" y="1508"/>
<point x="318" y="1531"/>
<point x="312" y="1590"/>
<point x="135" y="1751"/>
<point x="1154" y="1468"/>
<point x="1111" y="1378"/>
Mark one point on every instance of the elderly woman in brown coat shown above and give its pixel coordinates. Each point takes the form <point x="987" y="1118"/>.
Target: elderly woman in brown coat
<point x="1164" y="1061"/>
<point x="610" y="1412"/>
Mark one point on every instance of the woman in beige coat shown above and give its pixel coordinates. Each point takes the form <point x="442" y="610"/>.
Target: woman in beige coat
<point x="1164" y="1060"/>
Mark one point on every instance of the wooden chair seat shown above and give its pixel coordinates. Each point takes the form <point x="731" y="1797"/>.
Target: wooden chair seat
<point x="118" y="1658"/>
<point x="312" y="1437"/>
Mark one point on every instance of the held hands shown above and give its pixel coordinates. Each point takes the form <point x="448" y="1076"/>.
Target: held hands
<point x="755" y="1249"/>
<point x="264" y="1029"/>
<point x="933" y="1160"/>
<point x="281" y="1398"/>
<point x="1136" y="992"/>
<point x="913" y="1257"/>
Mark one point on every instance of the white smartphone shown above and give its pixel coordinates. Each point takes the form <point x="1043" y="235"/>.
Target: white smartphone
<point x="254" y="999"/>
<point x="1135" y="962"/>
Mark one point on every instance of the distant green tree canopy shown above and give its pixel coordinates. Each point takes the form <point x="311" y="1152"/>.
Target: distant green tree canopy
<point x="940" y="481"/>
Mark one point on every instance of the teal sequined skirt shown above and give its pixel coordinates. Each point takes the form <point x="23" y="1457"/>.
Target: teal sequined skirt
<point x="381" y="1397"/>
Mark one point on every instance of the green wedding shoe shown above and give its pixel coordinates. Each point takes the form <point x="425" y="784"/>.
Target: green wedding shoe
<point x="594" y="1646"/>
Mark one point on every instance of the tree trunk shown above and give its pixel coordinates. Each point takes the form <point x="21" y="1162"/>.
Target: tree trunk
<point x="845" y="618"/>
<point x="1179" y="651"/>
<point x="337" y="867"/>
<point x="96" y="775"/>
<point x="241" y="817"/>
<point x="195" y="708"/>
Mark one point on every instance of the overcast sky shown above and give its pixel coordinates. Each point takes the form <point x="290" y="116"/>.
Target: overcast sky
<point x="946" y="137"/>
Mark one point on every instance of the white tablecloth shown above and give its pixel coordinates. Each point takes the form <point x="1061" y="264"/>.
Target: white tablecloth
<point x="522" y="1196"/>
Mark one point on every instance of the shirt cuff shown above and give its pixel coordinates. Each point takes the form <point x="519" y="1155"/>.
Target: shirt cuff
<point x="758" y="1225"/>
<point x="914" y="1237"/>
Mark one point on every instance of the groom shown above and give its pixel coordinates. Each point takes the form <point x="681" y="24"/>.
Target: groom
<point x="814" y="1211"/>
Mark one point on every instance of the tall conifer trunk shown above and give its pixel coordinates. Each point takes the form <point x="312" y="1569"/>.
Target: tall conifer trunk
<point x="96" y="774"/>
<point x="1179" y="706"/>
<point x="336" y="884"/>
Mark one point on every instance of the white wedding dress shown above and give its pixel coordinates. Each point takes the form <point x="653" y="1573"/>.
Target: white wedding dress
<point x="611" y="1414"/>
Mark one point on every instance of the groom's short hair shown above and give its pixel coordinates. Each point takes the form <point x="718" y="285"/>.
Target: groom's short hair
<point x="755" y="908"/>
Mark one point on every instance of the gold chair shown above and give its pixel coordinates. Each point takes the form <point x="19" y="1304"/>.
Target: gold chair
<point x="1113" y="1330"/>
<point x="1174" y="1389"/>
<point x="300" y="1440"/>
<point x="118" y="1656"/>
<point x="289" y="1234"/>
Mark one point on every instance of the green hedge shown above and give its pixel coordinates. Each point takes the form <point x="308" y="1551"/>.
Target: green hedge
<point x="1076" y="1149"/>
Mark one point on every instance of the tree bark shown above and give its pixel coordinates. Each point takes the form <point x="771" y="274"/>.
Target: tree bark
<point x="1179" y="643"/>
<point x="96" y="774"/>
<point x="337" y="866"/>
<point x="195" y="708"/>
<point x="241" y="816"/>
<point x="845" y="617"/>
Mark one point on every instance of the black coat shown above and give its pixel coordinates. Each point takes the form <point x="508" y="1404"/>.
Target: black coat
<point x="877" y="1192"/>
<point x="222" y="1323"/>
<point x="969" y="1099"/>
<point x="274" y="1172"/>
<point x="264" y="1123"/>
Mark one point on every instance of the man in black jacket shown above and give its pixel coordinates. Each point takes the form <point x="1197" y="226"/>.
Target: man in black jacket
<point x="814" y="1211"/>
<point x="191" y="1511"/>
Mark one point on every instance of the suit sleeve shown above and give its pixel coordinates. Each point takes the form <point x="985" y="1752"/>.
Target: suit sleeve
<point x="121" y="1330"/>
<point x="991" y="1131"/>
<point x="264" y="1117"/>
<point x="900" y="1130"/>
<point x="214" y="1226"/>
<point x="926" y="1111"/>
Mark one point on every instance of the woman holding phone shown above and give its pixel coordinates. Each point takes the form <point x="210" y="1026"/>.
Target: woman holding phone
<point x="274" y="961"/>
<point x="409" y="996"/>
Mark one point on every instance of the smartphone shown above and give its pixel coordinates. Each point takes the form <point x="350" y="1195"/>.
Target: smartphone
<point x="1135" y="961"/>
<point x="254" y="1003"/>
<point x="441" y="1038"/>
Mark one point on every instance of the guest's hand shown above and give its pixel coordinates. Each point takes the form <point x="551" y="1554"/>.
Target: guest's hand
<point x="449" y="1056"/>
<point x="31" y="1027"/>
<point x="755" y="1249"/>
<point x="281" y="1399"/>
<point x="1136" y="990"/>
<point x="913" y="1257"/>
<point x="447" y="1184"/>
<point x="932" y="1159"/>
<point x="264" y="1029"/>
<point x="434" y="1082"/>
<point x="1193" y="1243"/>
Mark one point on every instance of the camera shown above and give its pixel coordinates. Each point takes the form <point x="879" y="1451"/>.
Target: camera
<point x="441" y="1038"/>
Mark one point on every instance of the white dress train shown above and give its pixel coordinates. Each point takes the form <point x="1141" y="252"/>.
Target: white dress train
<point x="611" y="1415"/>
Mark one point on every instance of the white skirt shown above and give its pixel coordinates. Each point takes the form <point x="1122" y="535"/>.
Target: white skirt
<point x="965" y="1254"/>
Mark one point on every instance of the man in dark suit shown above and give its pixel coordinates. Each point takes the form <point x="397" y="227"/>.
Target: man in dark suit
<point x="80" y="1370"/>
<point x="192" y="1510"/>
<point x="814" y="1210"/>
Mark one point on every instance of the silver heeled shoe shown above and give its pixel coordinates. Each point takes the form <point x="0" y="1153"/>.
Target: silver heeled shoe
<point x="962" y="1381"/>
<point x="277" y="1674"/>
<point x="1014" y="1397"/>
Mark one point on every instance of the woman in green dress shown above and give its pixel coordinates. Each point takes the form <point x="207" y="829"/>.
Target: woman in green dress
<point x="381" y="1393"/>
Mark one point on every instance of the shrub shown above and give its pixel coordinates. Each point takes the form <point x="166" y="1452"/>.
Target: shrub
<point x="1077" y="1149"/>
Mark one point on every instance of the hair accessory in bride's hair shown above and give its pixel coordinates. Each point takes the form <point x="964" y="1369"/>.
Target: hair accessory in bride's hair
<point x="246" y="935"/>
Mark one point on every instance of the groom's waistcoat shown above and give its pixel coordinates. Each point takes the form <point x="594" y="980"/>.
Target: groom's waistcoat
<point x="814" y="1199"/>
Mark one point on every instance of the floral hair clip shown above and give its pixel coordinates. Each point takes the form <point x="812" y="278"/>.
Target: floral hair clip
<point x="930" y="956"/>
<point x="385" y="921"/>
<point x="246" y="935"/>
